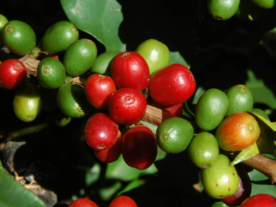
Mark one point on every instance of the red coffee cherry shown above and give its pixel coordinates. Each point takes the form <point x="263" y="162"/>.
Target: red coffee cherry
<point x="113" y="153"/>
<point x="83" y="202"/>
<point x="100" y="131"/>
<point x="130" y="70"/>
<point x="139" y="147"/>
<point x="122" y="201"/>
<point x="12" y="73"/>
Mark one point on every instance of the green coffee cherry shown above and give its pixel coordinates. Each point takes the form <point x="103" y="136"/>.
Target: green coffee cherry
<point x="174" y="135"/>
<point x="27" y="102"/>
<point x="266" y="4"/>
<point x="249" y="11"/>
<point x="203" y="150"/>
<point x="3" y="22"/>
<point x="51" y="73"/>
<point x="240" y="99"/>
<point x="221" y="179"/>
<point x="79" y="57"/>
<point x="222" y="10"/>
<point x="72" y="100"/>
<point x="156" y="54"/>
<point x="19" y="37"/>
<point x="59" y="37"/>
<point x="211" y="109"/>
<point x="102" y="62"/>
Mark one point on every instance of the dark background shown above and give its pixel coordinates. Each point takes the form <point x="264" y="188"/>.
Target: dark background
<point x="216" y="50"/>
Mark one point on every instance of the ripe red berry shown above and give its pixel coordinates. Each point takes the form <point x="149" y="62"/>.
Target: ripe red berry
<point x="122" y="201"/>
<point x="113" y="153"/>
<point x="100" y="131"/>
<point x="127" y="106"/>
<point x="172" y="85"/>
<point x="83" y="202"/>
<point x="98" y="89"/>
<point x="12" y="73"/>
<point x="139" y="147"/>
<point x="130" y="70"/>
<point x="263" y="200"/>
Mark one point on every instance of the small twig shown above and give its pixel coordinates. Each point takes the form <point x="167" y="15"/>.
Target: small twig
<point x="263" y="164"/>
<point x="155" y="115"/>
<point x="25" y="131"/>
<point x="31" y="65"/>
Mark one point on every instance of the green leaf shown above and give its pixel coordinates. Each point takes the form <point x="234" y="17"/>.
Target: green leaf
<point x="256" y="176"/>
<point x="100" y="18"/>
<point x="262" y="188"/>
<point x="267" y="140"/>
<point x="198" y="94"/>
<point x="93" y="174"/>
<point x="246" y="154"/>
<point x="261" y="93"/>
<point x="107" y="192"/>
<point x="13" y="194"/>
<point x="121" y="171"/>
<point x="177" y="58"/>
<point x="1" y="167"/>
<point x="133" y="184"/>
<point x="152" y="127"/>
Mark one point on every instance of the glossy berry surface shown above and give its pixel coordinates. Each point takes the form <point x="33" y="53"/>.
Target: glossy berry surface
<point x="172" y="85"/>
<point x="122" y="201"/>
<point x="127" y="106"/>
<point x="83" y="202"/>
<point x="98" y="89"/>
<point x="260" y="200"/>
<point x="12" y="73"/>
<point x="100" y="131"/>
<point x="19" y="37"/>
<point x="130" y="70"/>
<point x="237" y="132"/>
<point x="139" y="147"/>
<point x="112" y="153"/>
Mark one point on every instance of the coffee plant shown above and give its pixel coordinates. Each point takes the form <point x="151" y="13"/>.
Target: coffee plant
<point x="137" y="103"/>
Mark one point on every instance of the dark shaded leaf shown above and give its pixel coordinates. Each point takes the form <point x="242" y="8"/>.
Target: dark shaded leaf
<point x="108" y="191"/>
<point x="176" y="57"/>
<point x="1" y="167"/>
<point x="132" y="185"/>
<point x="267" y="139"/>
<point x="13" y="194"/>
<point x="261" y="93"/>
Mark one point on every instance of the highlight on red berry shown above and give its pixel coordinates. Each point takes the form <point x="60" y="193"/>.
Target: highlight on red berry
<point x="130" y="70"/>
<point x="112" y="153"/>
<point x="12" y="73"/>
<point x="100" y="131"/>
<point x="127" y="106"/>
